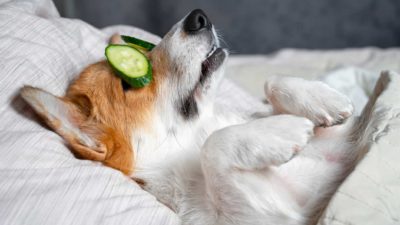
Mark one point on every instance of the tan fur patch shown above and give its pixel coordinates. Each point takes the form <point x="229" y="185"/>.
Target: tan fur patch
<point x="160" y="62"/>
<point x="108" y="114"/>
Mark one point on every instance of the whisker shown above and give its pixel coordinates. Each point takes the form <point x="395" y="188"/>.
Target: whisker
<point x="221" y="38"/>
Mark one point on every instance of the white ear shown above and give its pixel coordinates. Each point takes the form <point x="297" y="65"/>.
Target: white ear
<point x="61" y="116"/>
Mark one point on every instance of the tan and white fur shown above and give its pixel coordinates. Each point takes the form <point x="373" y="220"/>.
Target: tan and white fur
<point x="210" y="167"/>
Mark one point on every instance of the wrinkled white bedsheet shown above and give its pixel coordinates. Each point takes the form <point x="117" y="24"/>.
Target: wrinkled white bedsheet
<point x="41" y="182"/>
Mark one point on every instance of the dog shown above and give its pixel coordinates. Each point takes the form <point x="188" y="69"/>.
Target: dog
<point x="279" y="166"/>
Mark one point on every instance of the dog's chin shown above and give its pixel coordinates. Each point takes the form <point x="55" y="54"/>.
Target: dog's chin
<point x="215" y="58"/>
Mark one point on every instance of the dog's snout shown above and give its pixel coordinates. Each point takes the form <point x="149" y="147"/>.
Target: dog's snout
<point x="196" y="21"/>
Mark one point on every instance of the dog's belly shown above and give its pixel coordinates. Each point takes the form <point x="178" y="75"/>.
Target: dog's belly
<point x="278" y="195"/>
<point x="266" y="194"/>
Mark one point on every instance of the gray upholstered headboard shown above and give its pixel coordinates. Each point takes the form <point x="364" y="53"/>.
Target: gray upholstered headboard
<point x="258" y="26"/>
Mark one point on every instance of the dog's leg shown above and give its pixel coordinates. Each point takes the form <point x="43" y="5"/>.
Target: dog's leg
<point x="253" y="147"/>
<point x="248" y="148"/>
<point x="311" y="99"/>
<point x="257" y="144"/>
<point x="333" y="152"/>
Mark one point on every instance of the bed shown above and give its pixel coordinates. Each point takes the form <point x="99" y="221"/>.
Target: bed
<point x="41" y="182"/>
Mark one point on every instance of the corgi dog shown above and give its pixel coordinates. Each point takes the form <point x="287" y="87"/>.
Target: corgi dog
<point x="209" y="164"/>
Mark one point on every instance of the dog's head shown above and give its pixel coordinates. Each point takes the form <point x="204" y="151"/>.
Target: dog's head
<point x="104" y="120"/>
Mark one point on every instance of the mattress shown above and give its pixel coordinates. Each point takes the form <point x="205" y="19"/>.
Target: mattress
<point x="41" y="182"/>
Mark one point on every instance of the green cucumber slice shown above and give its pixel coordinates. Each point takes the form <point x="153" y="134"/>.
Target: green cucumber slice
<point x="138" y="43"/>
<point x="130" y="64"/>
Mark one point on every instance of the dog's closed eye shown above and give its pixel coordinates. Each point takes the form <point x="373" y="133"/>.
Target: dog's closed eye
<point x="125" y="85"/>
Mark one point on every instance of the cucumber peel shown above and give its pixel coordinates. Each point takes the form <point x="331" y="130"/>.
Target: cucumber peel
<point x="138" y="43"/>
<point x="130" y="64"/>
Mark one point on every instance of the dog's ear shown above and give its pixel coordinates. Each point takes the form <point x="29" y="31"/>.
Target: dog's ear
<point x="66" y="117"/>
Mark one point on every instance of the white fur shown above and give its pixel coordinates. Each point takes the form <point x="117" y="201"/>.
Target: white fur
<point x="259" y="172"/>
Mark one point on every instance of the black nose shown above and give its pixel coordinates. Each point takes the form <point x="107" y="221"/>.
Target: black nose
<point x="196" y="21"/>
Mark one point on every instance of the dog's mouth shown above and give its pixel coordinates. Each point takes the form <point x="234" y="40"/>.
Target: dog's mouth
<point x="213" y="49"/>
<point x="214" y="60"/>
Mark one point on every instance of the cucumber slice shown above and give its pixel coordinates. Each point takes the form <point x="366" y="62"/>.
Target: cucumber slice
<point x="130" y="64"/>
<point x="138" y="43"/>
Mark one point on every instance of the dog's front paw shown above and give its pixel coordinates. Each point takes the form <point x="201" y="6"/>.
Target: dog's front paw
<point x="287" y="136"/>
<point x="312" y="99"/>
<point x="328" y="107"/>
<point x="297" y="134"/>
